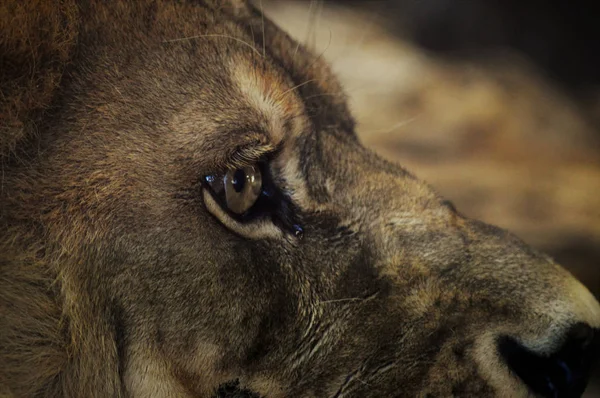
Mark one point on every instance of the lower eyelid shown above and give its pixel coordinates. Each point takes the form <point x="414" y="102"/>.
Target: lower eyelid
<point x="260" y="229"/>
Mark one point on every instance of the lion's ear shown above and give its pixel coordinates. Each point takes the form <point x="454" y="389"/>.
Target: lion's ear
<point x="36" y="41"/>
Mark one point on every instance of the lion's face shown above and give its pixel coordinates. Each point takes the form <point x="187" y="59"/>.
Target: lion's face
<point x="211" y="216"/>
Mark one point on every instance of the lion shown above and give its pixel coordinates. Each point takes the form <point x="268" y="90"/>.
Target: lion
<point x="186" y="211"/>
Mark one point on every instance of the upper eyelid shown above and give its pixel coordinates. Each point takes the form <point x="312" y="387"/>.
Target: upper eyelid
<point x="249" y="155"/>
<point x="234" y="146"/>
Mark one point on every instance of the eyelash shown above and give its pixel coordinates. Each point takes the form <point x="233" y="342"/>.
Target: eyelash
<point x="272" y="202"/>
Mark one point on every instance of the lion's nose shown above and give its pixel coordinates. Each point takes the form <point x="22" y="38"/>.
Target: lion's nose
<point x="565" y="372"/>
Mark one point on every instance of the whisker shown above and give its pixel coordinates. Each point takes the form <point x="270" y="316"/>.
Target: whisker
<point x="394" y="127"/>
<point x="219" y="36"/>
<point x="351" y="299"/>
<point x="362" y="381"/>
<point x="309" y="23"/>
<point x="343" y="93"/>
<point x="339" y="94"/>
<point x="296" y="51"/>
<point x="371" y="22"/>
<point x="322" y="53"/>
<point x="262" y="16"/>
<point x="294" y="88"/>
<point x="318" y="14"/>
<point x="342" y="300"/>
<point x="314" y="14"/>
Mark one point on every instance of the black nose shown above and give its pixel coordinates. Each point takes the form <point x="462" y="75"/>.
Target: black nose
<point x="564" y="373"/>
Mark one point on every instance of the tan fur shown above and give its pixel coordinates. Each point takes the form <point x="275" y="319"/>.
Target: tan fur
<point x="121" y="274"/>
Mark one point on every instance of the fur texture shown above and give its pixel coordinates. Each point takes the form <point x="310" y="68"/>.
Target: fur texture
<point x="36" y="43"/>
<point x="122" y="275"/>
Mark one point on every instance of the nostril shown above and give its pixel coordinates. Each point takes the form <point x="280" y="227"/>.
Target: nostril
<point x="564" y="373"/>
<point x="581" y="335"/>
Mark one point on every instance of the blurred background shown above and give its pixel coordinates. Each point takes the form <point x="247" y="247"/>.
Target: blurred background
<point x="496" y="103"/>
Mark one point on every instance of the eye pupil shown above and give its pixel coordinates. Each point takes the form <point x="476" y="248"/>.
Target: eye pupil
<point x="239" y="180"/>
<point x="242" y="188"/>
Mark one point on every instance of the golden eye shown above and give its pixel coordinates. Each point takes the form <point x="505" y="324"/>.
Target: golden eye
<point x="242" y="188"/>
<point x="243" y="195"/>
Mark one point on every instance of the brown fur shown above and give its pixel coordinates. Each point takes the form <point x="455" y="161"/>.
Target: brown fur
<point x="121" y="275"/>
<point x="36" y="40"/>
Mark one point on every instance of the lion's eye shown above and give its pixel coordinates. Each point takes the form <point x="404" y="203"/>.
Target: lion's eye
<point x="249" y="193"/>
<point x="240" y="188"/>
